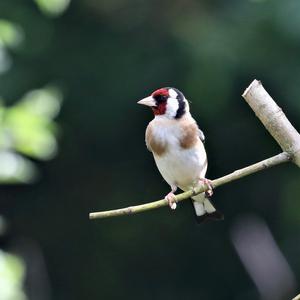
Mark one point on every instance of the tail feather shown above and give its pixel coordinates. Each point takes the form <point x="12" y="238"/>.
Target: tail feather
<point x="204" y="209"/>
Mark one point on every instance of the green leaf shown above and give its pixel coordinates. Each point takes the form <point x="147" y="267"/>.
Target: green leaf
<point x="12" y="271"/>
<point x="52" y="7"/>
<point x="11" y="35"/>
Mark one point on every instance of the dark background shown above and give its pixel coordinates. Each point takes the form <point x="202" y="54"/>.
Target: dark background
<point x="106" y="55"/>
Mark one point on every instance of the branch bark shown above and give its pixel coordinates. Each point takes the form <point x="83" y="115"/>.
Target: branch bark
<point x="274" y="119"/>
<point x="275" y="122"/>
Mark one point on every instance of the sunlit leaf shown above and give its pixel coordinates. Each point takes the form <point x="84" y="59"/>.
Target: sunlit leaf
<point x="53" y="7"/>
<point x="16" y="169"/>
<point x="31" y="134"/>
<point x="28" y="128"/>
<point x="44" y="102"/>
<point x="12" y="271"/>
<point x="11" y="35"/>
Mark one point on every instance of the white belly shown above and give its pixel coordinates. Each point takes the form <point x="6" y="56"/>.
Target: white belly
<point x="183" y="167"/>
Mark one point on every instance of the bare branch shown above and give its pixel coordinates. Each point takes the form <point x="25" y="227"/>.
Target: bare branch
<point x="267" y="163"/>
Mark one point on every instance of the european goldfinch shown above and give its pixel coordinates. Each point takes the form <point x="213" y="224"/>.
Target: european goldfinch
<point x="176" y="142"/>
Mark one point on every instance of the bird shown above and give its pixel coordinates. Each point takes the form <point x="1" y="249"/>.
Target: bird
<point x="177" y="145"/>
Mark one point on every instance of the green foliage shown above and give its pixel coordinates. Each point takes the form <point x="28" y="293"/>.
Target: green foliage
<point x="28" y="128"/>
<point x="12" y="271"/>
<point x="11" y="35"/>
<point x="52" y="7"/>
<point x="28" y="125"/>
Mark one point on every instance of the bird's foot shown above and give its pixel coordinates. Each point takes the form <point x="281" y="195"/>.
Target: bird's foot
<point x="171" y="200"/>
<point x="208" y="183"/>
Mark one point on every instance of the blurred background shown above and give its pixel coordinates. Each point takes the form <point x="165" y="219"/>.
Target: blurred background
<point x="72" y="142"/>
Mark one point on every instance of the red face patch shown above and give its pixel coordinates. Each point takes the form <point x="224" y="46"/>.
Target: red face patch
<point x="160" y="109"/>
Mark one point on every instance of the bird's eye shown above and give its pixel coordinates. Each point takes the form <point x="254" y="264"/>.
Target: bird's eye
<point x="161" y="98"/>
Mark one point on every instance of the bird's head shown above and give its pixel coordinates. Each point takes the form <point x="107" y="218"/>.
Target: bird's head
<point x="167" y="102"/>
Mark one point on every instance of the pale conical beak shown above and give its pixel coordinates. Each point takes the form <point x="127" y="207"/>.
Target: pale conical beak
<point x="148" y="101"/>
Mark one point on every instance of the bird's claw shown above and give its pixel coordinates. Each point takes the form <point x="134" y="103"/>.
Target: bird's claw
<point x="171" y="200"/>
<point x="208" y="183"/>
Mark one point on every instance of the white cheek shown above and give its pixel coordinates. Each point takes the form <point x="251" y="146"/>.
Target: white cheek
<point x="172" y="107"/>
<point x="173" y="94"/>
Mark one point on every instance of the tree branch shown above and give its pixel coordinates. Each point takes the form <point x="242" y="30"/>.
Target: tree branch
<point x="274" y="119"/>
<point x="275" y="122"/>
<point x="267" y="163"/>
